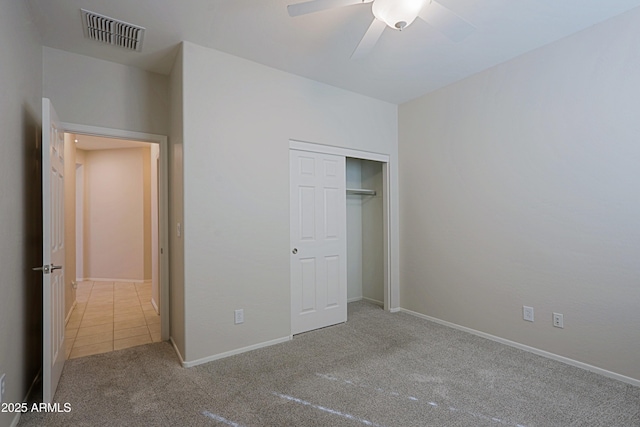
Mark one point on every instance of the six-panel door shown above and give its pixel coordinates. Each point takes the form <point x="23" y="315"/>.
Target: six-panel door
<point x="318" y="241"/>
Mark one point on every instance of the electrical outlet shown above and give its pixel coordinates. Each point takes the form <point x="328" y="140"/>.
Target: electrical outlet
<point x="527" y="313"/>
<point x="2" y="387"/>
<point x="558" y="320"/>
<point x="239" y="316"/>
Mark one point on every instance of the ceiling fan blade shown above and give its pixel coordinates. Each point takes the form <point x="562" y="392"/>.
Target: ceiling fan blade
<point x="318" y="5"/>
<point x="445" y="21"/>
<point x="369" y="39"/>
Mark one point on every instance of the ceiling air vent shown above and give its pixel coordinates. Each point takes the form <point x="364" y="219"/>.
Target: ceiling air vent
<point x="112" y="31"/>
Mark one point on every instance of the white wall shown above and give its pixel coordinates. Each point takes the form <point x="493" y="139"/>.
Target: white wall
<point x="115" y="215"/>
<point x="94" y="92"/>
<point x="520" y="186"/>
<point x="238" y="119"/>
<point x="20" y="208"/>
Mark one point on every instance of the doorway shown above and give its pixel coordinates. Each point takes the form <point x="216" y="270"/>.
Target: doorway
<point x="57" y="276"/>
<point x="119" y="220"/>
<point x="160" y="243"/>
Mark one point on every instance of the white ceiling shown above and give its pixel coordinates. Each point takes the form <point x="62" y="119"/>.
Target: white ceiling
<point x="402" y="66"/>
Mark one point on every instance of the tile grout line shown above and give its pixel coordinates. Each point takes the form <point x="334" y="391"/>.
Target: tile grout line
<point x="145" y="317"/>
<point x="91" y="295"/>
<point x="81" y="317"/>
<point x="110" y="295"/>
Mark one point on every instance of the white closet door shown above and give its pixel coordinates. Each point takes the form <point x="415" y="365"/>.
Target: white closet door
<point x="318" y="240"/>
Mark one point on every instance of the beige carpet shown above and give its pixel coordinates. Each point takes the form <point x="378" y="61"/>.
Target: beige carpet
<point x="378" y="369"/>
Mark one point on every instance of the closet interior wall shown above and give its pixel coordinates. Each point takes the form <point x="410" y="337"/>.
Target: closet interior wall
<point x="365" y="250"/>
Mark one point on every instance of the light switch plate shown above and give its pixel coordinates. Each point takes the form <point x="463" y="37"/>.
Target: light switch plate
<point x="239" y="316"/>
<point x="527" y="313"/>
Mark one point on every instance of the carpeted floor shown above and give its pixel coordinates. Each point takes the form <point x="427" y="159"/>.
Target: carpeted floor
<point x="378" y="369"/>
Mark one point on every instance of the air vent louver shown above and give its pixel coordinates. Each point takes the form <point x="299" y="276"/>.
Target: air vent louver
<point x="112" y="31"/>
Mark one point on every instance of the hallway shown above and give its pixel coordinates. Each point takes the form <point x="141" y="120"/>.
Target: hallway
<point x="111" y="316"/>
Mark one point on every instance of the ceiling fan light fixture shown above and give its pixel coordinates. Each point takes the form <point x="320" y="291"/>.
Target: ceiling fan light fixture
<point x="397" y="14"/>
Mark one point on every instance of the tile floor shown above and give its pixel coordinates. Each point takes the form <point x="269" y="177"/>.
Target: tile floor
<point x="111" y="316"/>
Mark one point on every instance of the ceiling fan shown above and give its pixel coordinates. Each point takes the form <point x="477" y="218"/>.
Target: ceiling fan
<point x="395" y="14"/>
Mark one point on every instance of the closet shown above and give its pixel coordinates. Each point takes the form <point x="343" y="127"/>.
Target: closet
<point x="339" y="233"/>
<point x="365" y="243"/>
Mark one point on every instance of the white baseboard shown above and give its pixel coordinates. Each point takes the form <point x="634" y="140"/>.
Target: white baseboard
<point x="66" y="320"/>
<point x="533" y="350"/>
<point x="361" y="298"/>
<point x="175" y="348"/>
<point x="103" y="279"/>
<point x="233" y="352"/>
<point x="373" y="301"/>
<point x="155" y="305"/>
<point x="16" y="418"/>
<point x="395" y="310"/>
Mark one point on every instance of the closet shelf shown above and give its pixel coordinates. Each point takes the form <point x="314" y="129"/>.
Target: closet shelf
<point x="361" y="191"/>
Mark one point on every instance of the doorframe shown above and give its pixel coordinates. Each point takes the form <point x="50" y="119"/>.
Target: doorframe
<point x="390" y="287"/>
<point x="163" y="204"/>
<point x="79" y="202"/>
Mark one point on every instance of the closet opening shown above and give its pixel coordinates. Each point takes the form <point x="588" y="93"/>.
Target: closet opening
<point x="365" y="231"/>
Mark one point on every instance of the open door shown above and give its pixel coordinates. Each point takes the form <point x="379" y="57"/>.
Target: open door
<point x="318" y="240"/>
<point x="52" y="251"/>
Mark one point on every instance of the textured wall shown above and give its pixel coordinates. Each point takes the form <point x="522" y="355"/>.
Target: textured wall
<point x="94" y="92"/>
<point x="115" y="214"/>
<point x="238" y="119"/>
<point x="520" y="187"/>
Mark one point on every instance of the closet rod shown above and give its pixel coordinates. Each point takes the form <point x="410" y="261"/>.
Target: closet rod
<point x="360" y="191"/>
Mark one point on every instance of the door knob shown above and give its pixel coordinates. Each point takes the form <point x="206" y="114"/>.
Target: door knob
<point x="294" y="251"/>
<point x="47" y="268"/>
